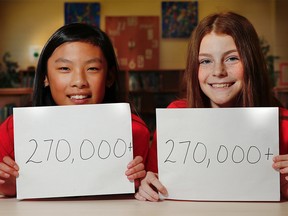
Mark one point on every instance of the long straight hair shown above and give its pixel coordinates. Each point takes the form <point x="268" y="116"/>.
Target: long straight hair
<point x="256" y="89"/>
<point x="71" y="33"/>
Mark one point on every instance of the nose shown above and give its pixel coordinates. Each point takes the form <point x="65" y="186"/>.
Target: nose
<point x="79" y="79"/>
<point x="219" y="70"/>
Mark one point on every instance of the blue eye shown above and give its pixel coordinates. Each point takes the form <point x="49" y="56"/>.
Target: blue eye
<point x="205" y="61"/>
<point x="232" y="59"/>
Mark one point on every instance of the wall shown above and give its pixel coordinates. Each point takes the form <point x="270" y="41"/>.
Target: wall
<point x="281" y="31"/>
<point x="26" y="23"/>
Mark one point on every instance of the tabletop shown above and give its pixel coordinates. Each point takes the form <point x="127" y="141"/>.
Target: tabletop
<point x="127" y="205"/>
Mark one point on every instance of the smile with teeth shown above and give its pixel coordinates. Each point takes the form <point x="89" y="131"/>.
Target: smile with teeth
<point x="79" y="97"/>
<point x="221" y="85"/>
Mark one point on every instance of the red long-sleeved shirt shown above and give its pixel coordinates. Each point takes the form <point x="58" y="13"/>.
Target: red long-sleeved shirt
<point x="140" y="133"/>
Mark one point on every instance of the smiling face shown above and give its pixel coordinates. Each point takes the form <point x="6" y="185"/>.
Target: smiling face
<point x="221" y="73"/>
<point x="76" y="74"/>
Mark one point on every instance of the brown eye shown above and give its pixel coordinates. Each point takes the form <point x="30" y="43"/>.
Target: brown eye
<point x="93" y="69"/>
<point x="64" y="69"/>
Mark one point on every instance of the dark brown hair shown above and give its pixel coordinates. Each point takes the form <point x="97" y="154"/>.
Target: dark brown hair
<point x="71" y="33"/>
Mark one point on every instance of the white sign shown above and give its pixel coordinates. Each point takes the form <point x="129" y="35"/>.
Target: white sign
<point x="73" y="150"/>
<point x="218" y="154"/>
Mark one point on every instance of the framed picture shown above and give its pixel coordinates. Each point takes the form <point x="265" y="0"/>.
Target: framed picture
<point x="179" y="19"/>
<point x="284" y="74"/>
<point x="82" y="13"/>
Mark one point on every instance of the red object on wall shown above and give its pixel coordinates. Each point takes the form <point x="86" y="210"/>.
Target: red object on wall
<point x="135" y="40"/>
<point x="284" y="74"/>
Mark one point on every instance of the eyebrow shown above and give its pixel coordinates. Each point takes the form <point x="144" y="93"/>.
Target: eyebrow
<point x="89" y="61"/>
<point x="225" y="53"/>
<point x="231" y="51"/>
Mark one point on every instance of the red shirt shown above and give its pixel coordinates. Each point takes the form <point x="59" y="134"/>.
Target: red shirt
<point x="152" y="165"/>
<point x="140" y="132"/>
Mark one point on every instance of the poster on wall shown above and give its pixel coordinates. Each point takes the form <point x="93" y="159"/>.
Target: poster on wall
<point x="179" y="19"/>
<point x="82" y="13"/>
<point x="135" y="40"/>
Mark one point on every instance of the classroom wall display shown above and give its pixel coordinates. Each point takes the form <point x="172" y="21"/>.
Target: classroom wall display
<point x="82" y="12"/>
<point x="179" y="19"/>
<point x="135" y="40"/>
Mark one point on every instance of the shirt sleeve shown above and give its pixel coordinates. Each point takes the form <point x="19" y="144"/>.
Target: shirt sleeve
<point x="152" y="163"/>
<point x="7" y="138"/>
<point x="141" y="137"/>
<point x="283" y="134"/>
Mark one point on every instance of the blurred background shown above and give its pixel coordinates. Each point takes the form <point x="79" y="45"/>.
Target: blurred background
<point x="27" y="24"/>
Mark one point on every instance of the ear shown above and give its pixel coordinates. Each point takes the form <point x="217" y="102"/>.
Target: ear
<point x="46" y="82"/>
<point x="110" y="79"/>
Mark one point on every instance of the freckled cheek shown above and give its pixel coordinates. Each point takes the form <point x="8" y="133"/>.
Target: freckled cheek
<point x="240" y="75"/>
<point x="202" y="76"/>
<point x="237" y="71"/>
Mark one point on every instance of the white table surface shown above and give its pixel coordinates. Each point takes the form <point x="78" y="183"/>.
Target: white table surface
<point x="127" y="205"/>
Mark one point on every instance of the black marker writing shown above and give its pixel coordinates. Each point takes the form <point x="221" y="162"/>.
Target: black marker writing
<point x="199" y="153"/>
<point x="61" y="150"/>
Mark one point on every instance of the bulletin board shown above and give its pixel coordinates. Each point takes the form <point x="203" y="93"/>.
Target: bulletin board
<point x="135" y="40"/>
<point x="82" y="13"/>
<point x="179" y="18"/>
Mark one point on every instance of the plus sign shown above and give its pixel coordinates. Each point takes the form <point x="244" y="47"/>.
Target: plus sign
<point x="130" y="147"/>
<point x="268" y="154"/>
